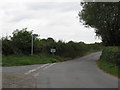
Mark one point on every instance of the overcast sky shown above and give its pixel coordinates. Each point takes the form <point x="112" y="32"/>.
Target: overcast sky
<point x="48" y="18"/>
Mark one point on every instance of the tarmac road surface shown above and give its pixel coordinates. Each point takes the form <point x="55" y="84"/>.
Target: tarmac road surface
<point x="78" y="73"/>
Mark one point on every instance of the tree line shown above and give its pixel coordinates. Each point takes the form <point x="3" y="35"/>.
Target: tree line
<point x="104" y="17"/>
<point x="20" y="44"/>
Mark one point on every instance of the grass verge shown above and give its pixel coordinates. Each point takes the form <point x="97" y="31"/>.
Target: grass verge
<point x="109" y="68"/>
<point x="35" y="59"/>
<point x="29" y="60"/>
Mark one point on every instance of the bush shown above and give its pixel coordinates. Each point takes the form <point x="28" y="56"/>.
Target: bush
<point x="20" y="44"/>
<point x="111" y="55"/>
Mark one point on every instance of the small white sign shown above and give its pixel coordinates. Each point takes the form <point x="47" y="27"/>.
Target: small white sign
<point x="53" y="50"/>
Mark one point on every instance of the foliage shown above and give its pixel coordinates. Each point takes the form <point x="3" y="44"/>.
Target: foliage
<point x="111" y="55"/>
<point x="7" y="46"/>
<point x="22" y="39"/>
<point x="29" y="60"/>
<point x="20" y="44"/>
<point x="104" y="17"/>
<point x="109" y="68"/>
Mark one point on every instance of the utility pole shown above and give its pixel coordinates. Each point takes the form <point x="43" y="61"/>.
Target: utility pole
<point x="32" y="44"/>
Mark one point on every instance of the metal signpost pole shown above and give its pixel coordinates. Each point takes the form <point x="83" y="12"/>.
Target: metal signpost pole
<point x="33" y="35"/>
<point x="53" y="53"/>
<point x="32" y="46"/>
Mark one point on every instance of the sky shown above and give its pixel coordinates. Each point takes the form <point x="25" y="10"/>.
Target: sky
<point x="48" y="18"/>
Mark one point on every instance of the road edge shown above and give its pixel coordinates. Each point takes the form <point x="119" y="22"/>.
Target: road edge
<point x="107" y="73"/>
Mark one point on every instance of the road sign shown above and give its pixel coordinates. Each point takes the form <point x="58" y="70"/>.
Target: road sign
<point x="53" y="50"/>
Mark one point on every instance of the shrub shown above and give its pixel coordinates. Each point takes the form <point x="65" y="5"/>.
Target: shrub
<point x="111" y="55"/>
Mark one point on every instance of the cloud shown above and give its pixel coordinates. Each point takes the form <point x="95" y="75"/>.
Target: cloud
<point x="57" y="6"/>
<point x="26" y="1"/>
<point x="54" y="18"/>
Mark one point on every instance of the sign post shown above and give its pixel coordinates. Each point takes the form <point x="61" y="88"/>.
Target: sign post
<point x="53" y="51"/>
<point x="33" y="35"/>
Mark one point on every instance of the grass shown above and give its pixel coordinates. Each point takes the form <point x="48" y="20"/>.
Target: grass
<point x="35" y="59"/>
<point x="29" y="60"/>
<point x="109" y="68"/>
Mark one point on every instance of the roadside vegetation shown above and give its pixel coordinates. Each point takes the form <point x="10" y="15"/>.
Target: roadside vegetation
<point x="105" y="20"/>
<point x="110" y="60"/>
<point x="109" y="68"/>
<point x="16" y="49"/>
<point x="29" y="60"/>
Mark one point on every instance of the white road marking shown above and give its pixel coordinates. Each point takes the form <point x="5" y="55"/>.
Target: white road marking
<point x="49" y="66"/>
<point x="37" y="74"/>
<point x="45" y="66"/>
<point x="30" y="71"/>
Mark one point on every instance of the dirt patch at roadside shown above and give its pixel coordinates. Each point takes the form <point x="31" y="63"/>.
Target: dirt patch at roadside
<point x="17" y="80"/>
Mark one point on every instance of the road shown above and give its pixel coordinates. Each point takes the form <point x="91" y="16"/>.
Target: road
<point x="78" y="73"/>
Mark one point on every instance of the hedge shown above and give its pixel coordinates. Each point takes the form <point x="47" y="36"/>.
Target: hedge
<point x="111" y="55"/>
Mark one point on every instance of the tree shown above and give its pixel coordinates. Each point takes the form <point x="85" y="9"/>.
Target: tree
<point x="7" y="47"/>
<point x="22" y="40"/>
<point x="104" y="17"/>
<point x="50" y="40"/>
